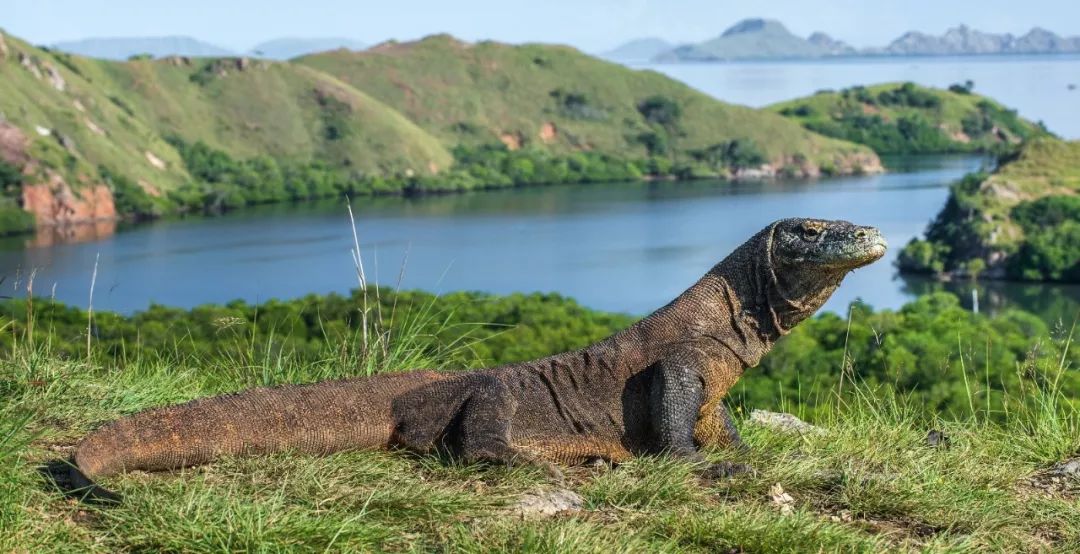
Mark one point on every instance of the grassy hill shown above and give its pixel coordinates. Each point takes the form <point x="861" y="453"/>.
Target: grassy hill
<point x="868" y="480"/>
<point x="249" y="108"/>
<point x="904" y="118"/>
<point x="92" y="137"/>
<point x="1020" y="222"/>
<point x="558" y="98"/>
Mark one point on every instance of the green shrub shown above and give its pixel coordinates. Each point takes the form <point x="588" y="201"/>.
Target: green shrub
<point x="14" y="220"/>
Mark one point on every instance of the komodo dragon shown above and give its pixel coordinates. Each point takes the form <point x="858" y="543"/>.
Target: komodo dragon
<point x="655" y="387"/>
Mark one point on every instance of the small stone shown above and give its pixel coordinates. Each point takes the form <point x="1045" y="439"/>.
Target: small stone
<point x="937" y="439"/>
<point x="782" y="422"/>
<point x="1068" y="468"/>
<point x="547" y="504"/>
<point x="782" y="499"/>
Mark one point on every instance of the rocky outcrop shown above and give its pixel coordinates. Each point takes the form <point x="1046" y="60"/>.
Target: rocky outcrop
<point x="55" y="203"/>
<point x="13" y="145"/>
<point x="964" y="40"/>
<point x="830" y="45"/>
<point x="861" y="163"/>
<point x="4" y="52"/>
<point x="55" y="78"/>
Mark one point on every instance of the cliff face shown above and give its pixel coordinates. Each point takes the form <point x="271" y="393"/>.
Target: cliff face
<point x="53" y="202"/>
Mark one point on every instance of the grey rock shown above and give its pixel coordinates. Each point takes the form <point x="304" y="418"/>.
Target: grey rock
<point x="547" y="504"/>
<point x="786" y="423"/>
<point x="1068" y="468"/>
<point x="937" y="439"/>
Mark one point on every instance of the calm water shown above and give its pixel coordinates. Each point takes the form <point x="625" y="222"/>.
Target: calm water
<point x="624" y="247"/>
<point x="1037" y="86"/>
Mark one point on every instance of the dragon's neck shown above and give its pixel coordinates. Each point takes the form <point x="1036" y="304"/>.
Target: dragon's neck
<point x="746" y="303"/>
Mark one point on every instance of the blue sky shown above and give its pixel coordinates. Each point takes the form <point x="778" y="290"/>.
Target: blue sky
<point x="592" y="25"/>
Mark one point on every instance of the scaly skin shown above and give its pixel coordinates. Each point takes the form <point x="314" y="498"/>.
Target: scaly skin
<point x="655" y="387"/>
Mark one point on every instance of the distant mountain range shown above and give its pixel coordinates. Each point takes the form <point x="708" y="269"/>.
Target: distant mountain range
<point x="642" y="49"/>
<point x="122" y="48"/>
<point x="757" y="39"/>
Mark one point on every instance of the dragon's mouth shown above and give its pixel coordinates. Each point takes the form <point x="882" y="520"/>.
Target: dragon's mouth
<point x="874" y="248"/>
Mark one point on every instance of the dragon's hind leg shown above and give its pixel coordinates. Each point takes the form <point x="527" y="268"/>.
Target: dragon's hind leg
<point x="486" y="418"/>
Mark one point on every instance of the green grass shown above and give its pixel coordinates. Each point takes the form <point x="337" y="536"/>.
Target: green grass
<point x="867" y="483"/>
<point x="903" y="118"/>
<point x="473" y="93"/>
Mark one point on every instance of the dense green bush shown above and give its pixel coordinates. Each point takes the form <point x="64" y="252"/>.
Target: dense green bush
<point x="909" y="134"/>
<point x="660" y="110"/>
<point x="909" y="95"/>
<point x="1051" y="247"/>
<point x="577" y="105"/>
<point x="13" y="219"/>
<point x="735" y="154"/>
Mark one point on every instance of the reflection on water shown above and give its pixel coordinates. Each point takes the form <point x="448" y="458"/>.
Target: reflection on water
<point x="1057" y="304"/>
<point x="83" y="232"/>
<point x="628" y="247"/>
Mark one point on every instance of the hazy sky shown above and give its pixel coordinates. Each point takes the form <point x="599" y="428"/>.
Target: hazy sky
<point x="592" y="25"/>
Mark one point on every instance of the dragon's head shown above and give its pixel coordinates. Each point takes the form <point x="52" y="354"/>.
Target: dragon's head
<point x="825" y="246"/>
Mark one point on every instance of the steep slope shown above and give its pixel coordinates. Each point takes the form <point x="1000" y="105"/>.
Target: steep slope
<point x="249" y="108"/>
<point x="82" y="139"/>
<point x="906" y="118"/>
<point x="755" y="39"/>
<point x="1020" y="222"/>
<point x="560" y="99"/>
<point x="58" y="128"/>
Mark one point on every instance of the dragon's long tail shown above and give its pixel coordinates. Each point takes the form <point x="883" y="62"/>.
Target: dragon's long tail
<point x="316" y="419"/>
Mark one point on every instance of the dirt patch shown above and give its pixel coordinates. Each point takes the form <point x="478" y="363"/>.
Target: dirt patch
<point x="511" y="140"/>
<point x="178" y="61"/>
<point x="154" y="160"/>
<point x="55" y="78"/>
<point x="94" y="127"/>
<point x="548" y="132"/>
<point x="13" y="145"/>
<point x="3" y="47"/>
<point x="149" y="188"/>
<point x="960" y="136"/>
<point x="1060" y="480"/>
<point x="1002" y="190"/>
<point x="897" y="529"/>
